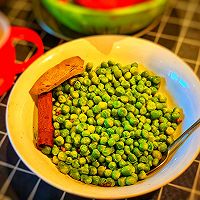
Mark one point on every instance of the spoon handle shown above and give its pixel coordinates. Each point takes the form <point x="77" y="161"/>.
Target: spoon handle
<point x="182" y="137"/>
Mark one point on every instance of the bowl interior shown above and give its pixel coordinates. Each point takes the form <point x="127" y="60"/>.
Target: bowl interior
<point x="180" y="81"/>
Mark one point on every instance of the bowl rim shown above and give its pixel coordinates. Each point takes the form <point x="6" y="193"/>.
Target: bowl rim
<point x="77" y="9"/>
<point x="110" y="195"/>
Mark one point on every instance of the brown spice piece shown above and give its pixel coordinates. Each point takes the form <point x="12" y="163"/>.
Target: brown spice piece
<point x="45" y="127"/>
<point x="43" y="88"/>
<point x="57" y="75"/>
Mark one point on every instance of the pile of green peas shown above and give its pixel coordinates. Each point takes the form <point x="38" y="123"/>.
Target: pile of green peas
<point x="111" y="125"/>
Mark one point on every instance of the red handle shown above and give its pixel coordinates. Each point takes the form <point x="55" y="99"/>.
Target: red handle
<point x="30" y="36"/>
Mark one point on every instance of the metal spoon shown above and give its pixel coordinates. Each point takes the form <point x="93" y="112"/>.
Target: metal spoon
<point x="177" y="143"/>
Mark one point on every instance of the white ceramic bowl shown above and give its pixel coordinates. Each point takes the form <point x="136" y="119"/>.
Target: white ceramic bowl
<point x="180" y="81"/>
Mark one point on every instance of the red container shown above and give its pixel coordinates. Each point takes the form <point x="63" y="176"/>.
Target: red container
<point x="107" y="4"/>
<point x="9" y="68"/>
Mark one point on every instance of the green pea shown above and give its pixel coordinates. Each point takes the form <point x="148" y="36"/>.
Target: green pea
<point x="69" y="160"/>
<point x="56" y="125"/>
<point x="162" y="137"/>
<point x="83" y="149"/>
<point x="59" y="140"/>
<point x="102" y="159"/>
<point x="62" y="156"/>
<point x="95" y="137"/>
<point x="121" y="181"/>
<point x="175" y="116"/>
<point x="66" y="88"/>
<point x="111" y="91"/>
<point x="119" y="145"/>
<point x="138" y="105"/>
<point x="145" y="134"/>
<point x="115" y="136"/>
<point x="143" y="146"/>
<point x="100" y="121"/>
<point x="89" y="66"/>
<point x="150" y="146"/>
<point x="134" y="65"/>
<point x="116" y="83"/>
<point x="122" y="163"/>
<point x="107" y="173"/>
<point x="95" y="180"/>
<point x="103" y="140"/>
<point x="88" y="180"/>
<point x="112" y="165"/>
<point x="116" y="157"/>
<point x="120" y="91"/>
<point x="107" y="151"/>
<point x="90" y="113"/>
<point x="104" y="80"/>
<point x="75" y="164"/>
<point x="65" y="109"/>
<point x="156" y="154"/>
<point x="137" y="152"/>
<point x="108" y="122"/>
<point x="117" y="73"/>
<point x="126" y="134"/>
<point x="116" y="174"/>
<point x="74" y="154"/>
<point x="96" y="109"/>
<point x="128" y="127"/>
<point x="162" y="147"/>
<point x="127" y="75"/>
<point x="93" y="145"/>
<point x="102" y="105"/>
<point x="101" y="170"/>
<point x="91" y="129"/>
<point x="120" y="152"/>
<point x="134" y="121"/>
<point x="55" y="160"/>
<point x="125" y="84"/>
<point x="142" y="175"/>
<point x="91" y="121"/>
<point x="110" y="131"/>
<point x="46" y="150"/>
<point x="128" y="170"/>
<point x="95" y="153"/>
<point x="163" y="127"/>
<point x="122" y="112"/>
<point x="62" y="99"/>
<point x="98" y="129"/>
<point x="108" y="159"/>
<point x="63" y="168"/>
<point x="151" y="106"/>
<point x="111" y="142"/>
<point x="155" y="114"/>
<point x="169" y="140"/>
<point x="84" y="169"/>
<point x="54" y="150"/>
<point x="105" y="97"/>
<point x="82" y="161"/>
<point x="131" y="180"/>
<point x="95" y="80"/>
<point x="93" y="170"/>
<point x="155" y="162"/>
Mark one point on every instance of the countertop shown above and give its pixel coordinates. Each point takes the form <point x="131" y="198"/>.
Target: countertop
<point x="177" y="30"/>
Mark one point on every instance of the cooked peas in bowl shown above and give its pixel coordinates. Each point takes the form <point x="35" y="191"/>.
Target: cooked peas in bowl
<point x="112" y="125"/>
